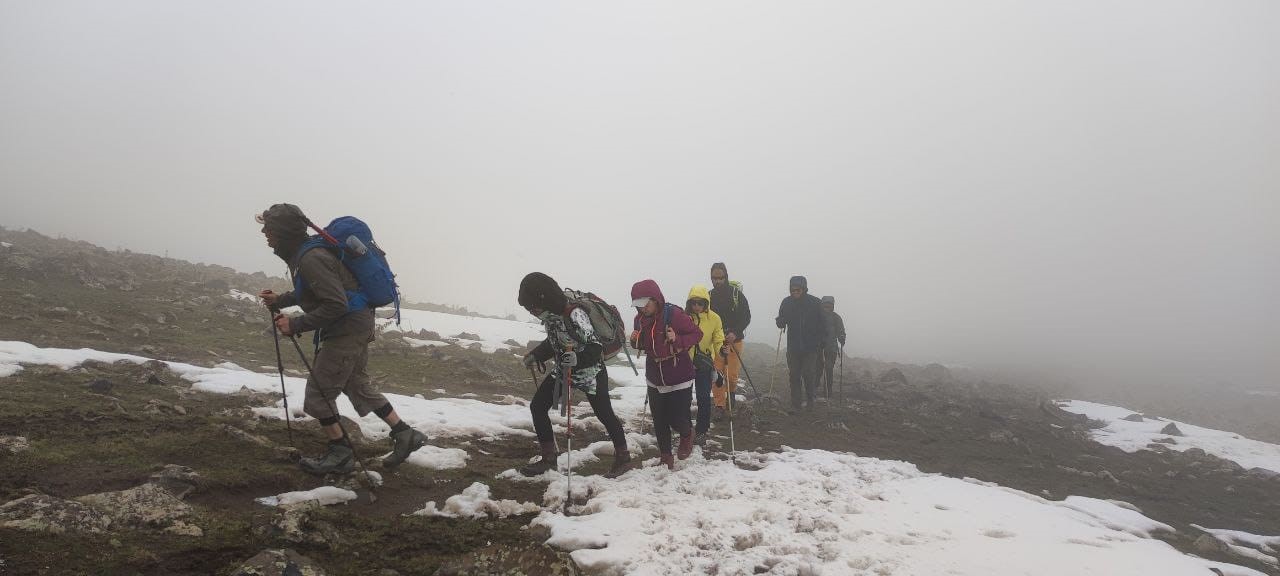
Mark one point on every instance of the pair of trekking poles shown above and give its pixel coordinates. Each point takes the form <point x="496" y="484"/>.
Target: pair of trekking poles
<point x="288" y="416"/>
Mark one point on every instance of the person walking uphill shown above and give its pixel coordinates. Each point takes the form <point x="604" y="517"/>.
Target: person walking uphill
<point x="800" y="314"/>
<point x="704" y="355"/>
<point x="666" y="334"/>
<point x="574" y="346"/>
<point x="728" y="301"/>
<point x="832" y="341"/>
<point x="322" y="284"/>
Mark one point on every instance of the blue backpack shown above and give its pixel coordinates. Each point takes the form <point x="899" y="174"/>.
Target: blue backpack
<point x="357" y="251"/>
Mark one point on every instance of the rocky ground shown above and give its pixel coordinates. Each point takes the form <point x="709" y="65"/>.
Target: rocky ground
<point x="133" y="472"/>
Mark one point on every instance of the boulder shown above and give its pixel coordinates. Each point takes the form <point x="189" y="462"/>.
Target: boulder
<point x="468" y="336"/>
<point x="1207" y="544"/>
<point x="1134" y="418"/>
<point x="43" y="513"/>
<point x="100" y="386"/>
<point x="279" y="563"/>
<point x="296" y="524"/>
<point x="893" y="376"/>
<point x="13" y="444"/>
<point x="178" y="480"/>
<point x="1171" y="429"/>
<point x="145" y="506"/>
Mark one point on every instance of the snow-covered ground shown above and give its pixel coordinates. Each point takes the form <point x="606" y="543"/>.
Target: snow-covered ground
<point x="819" y="512"/>
<point x="1135" y="436"/>
<point x="494" y="333"/>
<point x="793" y="512"/>
<point x="1262" y="548"/>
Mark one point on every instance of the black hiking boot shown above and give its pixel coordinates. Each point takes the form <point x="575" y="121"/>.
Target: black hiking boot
<point x="547" y="462"/>
<point x="338" y="460"/>
<point x="403" y="443"/>
<point x="621" y="463"/>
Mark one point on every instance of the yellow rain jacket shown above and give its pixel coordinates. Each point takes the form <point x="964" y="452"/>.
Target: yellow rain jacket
<point x="708" y="321"/>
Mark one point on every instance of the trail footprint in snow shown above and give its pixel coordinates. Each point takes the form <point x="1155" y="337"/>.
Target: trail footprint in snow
<point x="998" y="534"/>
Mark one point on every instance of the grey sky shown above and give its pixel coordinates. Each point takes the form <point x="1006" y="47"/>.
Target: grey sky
<point x="1091" y="185"/>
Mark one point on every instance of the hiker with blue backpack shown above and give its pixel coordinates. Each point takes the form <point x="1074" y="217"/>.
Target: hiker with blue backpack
<point x="582" y="332"/>
<point x="338" y="308"/>
<point x="666" y="334"/>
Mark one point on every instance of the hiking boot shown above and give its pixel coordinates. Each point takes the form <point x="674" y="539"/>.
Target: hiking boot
<point x="700" y="440"/>
<point x="403" y="443"/>
<point x="621" y="463"/>
<point x="686" y="446"/>
<point x="338" y="460"/>
<point x="667" y="460"/>
<point x="547" y="462"/>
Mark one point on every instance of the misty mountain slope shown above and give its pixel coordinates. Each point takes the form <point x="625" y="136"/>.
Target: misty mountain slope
<point x="794" y="500"/>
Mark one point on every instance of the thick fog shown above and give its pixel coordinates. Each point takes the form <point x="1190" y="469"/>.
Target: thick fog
<point x="1090" y="188"/>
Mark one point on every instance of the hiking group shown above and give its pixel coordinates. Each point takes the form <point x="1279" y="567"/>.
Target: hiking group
<point x="693" y="354"/>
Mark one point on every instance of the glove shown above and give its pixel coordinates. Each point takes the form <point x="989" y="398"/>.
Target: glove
<point x="529" y="361"/>
<point x="569" y="359"/>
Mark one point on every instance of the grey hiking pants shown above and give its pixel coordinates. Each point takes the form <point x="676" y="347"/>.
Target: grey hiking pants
<point x="340" y="368"/>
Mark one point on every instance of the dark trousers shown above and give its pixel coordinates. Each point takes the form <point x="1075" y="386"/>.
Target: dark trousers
<point x="600" y="404"/>
<point x="702" y="392"/>
<point x="829" y="356"/>
<point x="670" y="411"/>
<point x="803" y="369"/>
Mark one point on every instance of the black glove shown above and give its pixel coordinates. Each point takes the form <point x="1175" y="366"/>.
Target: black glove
<point x="569" y="359"/>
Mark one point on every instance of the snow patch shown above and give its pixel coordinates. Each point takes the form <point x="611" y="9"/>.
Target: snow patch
<point x="1135" y="436"/>
<point x="474" y="502"/>
<point x="818" y="512"/>
<point x="324" y="495"/>
<point x="437" y="458"/>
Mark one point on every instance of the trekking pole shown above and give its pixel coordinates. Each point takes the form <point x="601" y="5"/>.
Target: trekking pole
<point x="629" y="361"/>
<point x="842" y="373"/>
<point x="729" y="403"/>
<point x="373" y="493"/>
<point x="568" y="433"/>
<point x="288" y="418"/>
<point x="773" y="373"/>
<point x="745" y="372"/>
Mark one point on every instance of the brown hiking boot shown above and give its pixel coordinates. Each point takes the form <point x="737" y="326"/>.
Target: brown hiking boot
<point x="667" y="460"/>
<point x="686" y="446"/>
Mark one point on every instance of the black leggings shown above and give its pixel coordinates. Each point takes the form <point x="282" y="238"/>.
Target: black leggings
<point x="670" y="411"/>
<point x="600" y="404"/>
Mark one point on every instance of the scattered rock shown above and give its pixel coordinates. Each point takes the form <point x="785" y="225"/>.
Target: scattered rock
<point x="429" y="335"/>
<point x="13" y="444"/>
<point x="101" y="386"/>
<point x="893" y="376"/>
<point x="178" y="480"/>
<point x="512" y="343"/>
<point x="511" y="560"/>
<point x="149" y="350"/>
<point x="57" y="312"/>
<point x="158" y="407"/>
<point x="1165" y="441"/>
<point x="279" y="563"/>
<point x="145" y="506"/>
<point x="1207" y="544"/>
<point x="1171" y="429"/>
<point x="152" y="379"/>
<point x="468" y="336"/>
<point x="139" y="331"/>
<point x="296" y="524"/>
<point x="43" y="513"/>
<point x="1134" y="418"/>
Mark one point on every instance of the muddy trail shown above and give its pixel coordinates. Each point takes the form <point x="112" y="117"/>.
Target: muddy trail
<point x="88" y="437"/>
